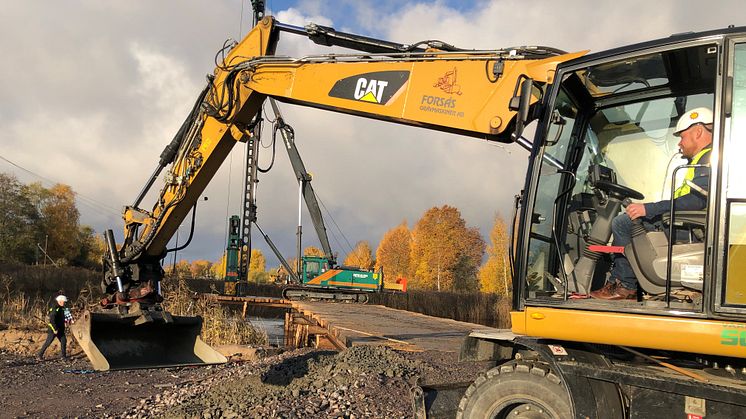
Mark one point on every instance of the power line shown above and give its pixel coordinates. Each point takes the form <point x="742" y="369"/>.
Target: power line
<point x="83" y="199"/>
<point x="329" y="215"/>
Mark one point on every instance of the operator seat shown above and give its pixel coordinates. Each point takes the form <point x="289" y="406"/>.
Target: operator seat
<point x="648" y="254"/>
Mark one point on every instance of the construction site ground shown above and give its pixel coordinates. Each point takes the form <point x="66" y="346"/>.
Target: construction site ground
<point x="362" y="381"/>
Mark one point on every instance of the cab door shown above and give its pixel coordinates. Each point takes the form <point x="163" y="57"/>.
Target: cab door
<point x="730" y="290"/>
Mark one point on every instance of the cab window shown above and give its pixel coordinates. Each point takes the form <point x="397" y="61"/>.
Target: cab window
<point x="609" y="141"/>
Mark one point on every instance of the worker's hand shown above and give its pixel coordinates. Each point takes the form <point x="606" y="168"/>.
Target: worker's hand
<point x="635" y="211"/>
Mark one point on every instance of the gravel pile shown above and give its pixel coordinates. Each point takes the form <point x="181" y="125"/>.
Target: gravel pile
<point x="364" y="381"/>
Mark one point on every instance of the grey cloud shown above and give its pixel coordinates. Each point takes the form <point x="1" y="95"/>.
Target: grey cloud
<point x="80" y="105"/>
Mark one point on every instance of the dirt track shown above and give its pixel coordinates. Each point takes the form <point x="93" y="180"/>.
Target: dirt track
<point x="359" y="382"/>
<point x="54" y="388"/>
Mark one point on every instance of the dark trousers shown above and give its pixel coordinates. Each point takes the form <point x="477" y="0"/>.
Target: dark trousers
<point x="621" y="226"/>
<point x="622" y="271"/>
<point x="60" y="335"/>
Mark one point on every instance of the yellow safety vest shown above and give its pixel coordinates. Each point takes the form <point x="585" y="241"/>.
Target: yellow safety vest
<point x="685" y="188"/>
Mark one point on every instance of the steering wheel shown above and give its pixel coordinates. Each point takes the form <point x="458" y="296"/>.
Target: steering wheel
<point x="619" y="191"/>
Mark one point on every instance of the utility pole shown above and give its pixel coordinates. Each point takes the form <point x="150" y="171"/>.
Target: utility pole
<point x="46" y="256"/>
<point x="46" y="242"/>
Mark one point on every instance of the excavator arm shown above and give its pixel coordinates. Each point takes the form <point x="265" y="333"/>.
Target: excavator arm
<point x="304" y="179"/>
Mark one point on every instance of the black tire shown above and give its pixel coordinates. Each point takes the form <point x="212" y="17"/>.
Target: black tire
<point x="516" y="389"/>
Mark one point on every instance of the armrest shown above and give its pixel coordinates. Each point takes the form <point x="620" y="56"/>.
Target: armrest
<point x="686" y="218"/>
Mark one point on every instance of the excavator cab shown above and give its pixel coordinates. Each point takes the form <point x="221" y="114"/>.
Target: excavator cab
<point x="606" y="140"/>
<point x="610" y="134"/>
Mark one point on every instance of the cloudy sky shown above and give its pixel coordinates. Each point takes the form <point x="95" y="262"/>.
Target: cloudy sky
<point x="93" y="90"/>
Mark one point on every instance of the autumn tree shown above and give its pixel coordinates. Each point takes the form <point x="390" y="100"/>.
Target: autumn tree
<point x="313" y="251"/>
<point x="361" y="256"/>
<point x="60" y="217"/>
<point x="19" y="222"/>
<point x="445" y="254"/>
<point x="36" y="218"/>
<point x="201" y="268"/>
<point x="293" y="262"/>
<point x="494" y="275"/>
<point x="59" y="231"/>
<point x="91" y="248"/>
<point x="218" y="267"/>
<point x="394" y="251"/>
<point x="182" y="269"/>
<point x="258" y="267"/>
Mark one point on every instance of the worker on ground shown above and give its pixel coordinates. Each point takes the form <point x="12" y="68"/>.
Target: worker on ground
<point x="695" y="130"/>
<point x="59" y="316"/>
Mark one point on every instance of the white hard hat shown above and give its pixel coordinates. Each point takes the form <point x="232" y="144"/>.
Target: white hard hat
<point x="692" y="117"/>
<point x="61" y="299"/>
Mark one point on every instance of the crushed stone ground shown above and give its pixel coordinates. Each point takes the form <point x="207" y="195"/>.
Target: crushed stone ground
<point x="363" y="381"/>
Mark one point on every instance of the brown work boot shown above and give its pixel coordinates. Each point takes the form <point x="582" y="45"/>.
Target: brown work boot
<point x="607" y="289"/>
<point x="614" y="291"/>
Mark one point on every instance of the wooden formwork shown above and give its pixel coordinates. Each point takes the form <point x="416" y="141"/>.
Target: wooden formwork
<point x="302" y="331"/>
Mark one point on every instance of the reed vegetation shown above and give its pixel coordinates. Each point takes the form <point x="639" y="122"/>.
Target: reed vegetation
<point x="17" y="309"/>
<point x="473" y="307"/>
<point x="27" y="292"/>
<point x="221" y="326"/>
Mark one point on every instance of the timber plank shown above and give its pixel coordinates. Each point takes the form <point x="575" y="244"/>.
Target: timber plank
<point x="364" y="324"/>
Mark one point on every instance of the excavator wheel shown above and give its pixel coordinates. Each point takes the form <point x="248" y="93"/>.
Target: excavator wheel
<point x="516" y="389"/>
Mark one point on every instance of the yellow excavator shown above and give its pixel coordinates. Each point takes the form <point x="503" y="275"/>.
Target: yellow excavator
<point x="603" y="135"/>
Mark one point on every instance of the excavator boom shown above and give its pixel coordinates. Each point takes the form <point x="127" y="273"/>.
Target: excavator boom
<point x="304" y="179"/>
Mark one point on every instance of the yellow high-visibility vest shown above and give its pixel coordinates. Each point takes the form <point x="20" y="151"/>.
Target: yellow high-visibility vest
<point x="685" y="188"/>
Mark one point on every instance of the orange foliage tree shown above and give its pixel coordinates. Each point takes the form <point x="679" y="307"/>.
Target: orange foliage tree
<point x="446" y="254"/>
<point x="218" y="267"/>
<point x="201" y="269"/>
<point x="394" y="251"/>
<point x="494" y="275"/>
<point x="182" y="269"/>
<point x="35" y="217"/>
<point x="59" y="219"/>
<point x="258" y="267"/>
<point x="361" y="256"/>
<point x="312" y="251"/>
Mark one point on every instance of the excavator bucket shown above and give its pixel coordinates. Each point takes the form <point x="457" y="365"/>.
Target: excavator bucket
<point x="117" y="342"/>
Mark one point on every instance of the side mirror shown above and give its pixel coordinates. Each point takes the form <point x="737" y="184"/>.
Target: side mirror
<point x="522" y="104"/>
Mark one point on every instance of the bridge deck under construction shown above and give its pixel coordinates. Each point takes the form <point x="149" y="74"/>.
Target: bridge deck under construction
<point x="340" y="325"/>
